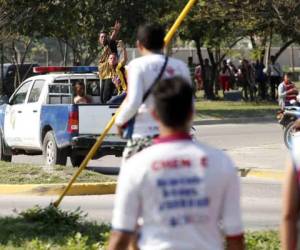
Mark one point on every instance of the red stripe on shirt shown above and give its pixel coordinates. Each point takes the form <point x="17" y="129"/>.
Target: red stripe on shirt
<point x="173" y="137"/>
<point x="235" y="237"/>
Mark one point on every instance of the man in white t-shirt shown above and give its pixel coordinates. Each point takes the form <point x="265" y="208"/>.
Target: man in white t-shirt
<point x="177" y="194"/>
<point x="142" y="73"/>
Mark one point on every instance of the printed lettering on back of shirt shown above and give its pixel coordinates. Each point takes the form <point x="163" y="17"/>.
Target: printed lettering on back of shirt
<point x="183" y="196"/>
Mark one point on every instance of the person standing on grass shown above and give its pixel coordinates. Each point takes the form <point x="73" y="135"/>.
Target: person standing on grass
<point x="198" y="79"/>
<point x="233" y="72"/>
<point x="260" y="78"/>
<point x="246" y="76"/>
<point x="177" y="194"/>
<point x="225" y="77"/>
<point x="142" y="73"/>
<point x="275" y="74"/>
<point x="207" y="80"/>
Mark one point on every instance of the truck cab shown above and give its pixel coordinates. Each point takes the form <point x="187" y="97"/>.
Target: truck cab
<point x="41" y="118"/>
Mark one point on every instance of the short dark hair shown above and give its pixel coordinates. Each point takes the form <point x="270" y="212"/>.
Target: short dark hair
<point x="103" y="32"/>
<point x="173" y="99"/>
<point x="151" y="36"/>
<point x="289" y="74"/>
<point x="80" y="83"/>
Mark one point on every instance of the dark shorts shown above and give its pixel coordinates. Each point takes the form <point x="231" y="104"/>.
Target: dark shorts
<point x="107" y="90"/>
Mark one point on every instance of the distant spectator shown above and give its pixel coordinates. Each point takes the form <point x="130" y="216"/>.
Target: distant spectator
<point x="275" y="73"/>
<point x="287" y="91"/>
<point x="207" y="79"/>
<point x="233" y="72"/>
<point x="80" y="96"/>
<point x="195" y="80"/>
<point x="198" y="78"/>
<point x="247" y="79"/>
<point x="224" y="77"/>
<point x="261" y="78"/>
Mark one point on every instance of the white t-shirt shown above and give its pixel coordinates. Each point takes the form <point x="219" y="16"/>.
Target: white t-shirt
<point x="182" y="190"/>
<point x="142" y="73"/>
<point x="275" y="70"/>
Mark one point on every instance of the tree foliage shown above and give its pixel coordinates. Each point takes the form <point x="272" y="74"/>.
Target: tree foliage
<point x="215" y="24"/>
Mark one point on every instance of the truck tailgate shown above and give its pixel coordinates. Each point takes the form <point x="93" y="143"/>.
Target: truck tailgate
<point x="94" y="118"/>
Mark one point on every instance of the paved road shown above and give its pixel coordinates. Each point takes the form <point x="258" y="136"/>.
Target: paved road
<point x="250" y="145"/>
<point x="261" y="202"/>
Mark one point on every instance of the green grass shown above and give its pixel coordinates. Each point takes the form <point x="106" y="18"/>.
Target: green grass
<point x="32" y="174"/>
<point x="226" y="109"/>
<point x="50" y="228"/>
<point x="268" y="240"/>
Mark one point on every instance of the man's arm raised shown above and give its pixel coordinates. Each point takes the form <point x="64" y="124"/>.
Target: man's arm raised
<point x="116" y="30"/>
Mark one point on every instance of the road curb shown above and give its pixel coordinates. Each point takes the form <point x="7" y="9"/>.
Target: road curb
<point x="56" y="189"/>
<point x="269" y="174"/>
<point x="236" y="120"/>
<point x="110" y="187"/>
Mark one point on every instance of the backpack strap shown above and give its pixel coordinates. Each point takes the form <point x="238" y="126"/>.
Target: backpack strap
<point x="148" y="92"/>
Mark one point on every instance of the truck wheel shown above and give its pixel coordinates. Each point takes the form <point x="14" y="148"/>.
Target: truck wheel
<point x="76" y="160"/>
<point x="53" y="155"/>
<point x="3" y="157"/>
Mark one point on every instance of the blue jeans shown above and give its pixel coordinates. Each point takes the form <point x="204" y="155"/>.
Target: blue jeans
<point x="117" y="99"/>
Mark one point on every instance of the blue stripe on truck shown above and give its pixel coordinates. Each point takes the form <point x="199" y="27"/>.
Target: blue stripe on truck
<point x="57" y="116"/>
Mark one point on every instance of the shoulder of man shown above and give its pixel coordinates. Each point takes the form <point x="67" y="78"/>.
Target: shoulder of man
<point x="217" y="159"/>
<point x="136" y="62"/>
<point x="141" y="162"/>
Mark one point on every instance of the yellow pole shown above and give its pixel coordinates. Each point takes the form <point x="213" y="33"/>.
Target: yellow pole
<point x="100" y="139"/>
<point x="178" y="22"/>
<point x="89" y="156"/>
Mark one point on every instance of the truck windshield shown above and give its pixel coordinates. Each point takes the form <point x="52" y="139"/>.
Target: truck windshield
<point x="93" y="87"/>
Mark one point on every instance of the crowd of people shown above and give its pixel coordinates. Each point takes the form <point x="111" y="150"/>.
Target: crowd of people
<point x="174" y="192"/>
<point x="257" y="81"/>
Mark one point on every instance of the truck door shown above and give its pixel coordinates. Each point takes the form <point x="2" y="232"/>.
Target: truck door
<point x="32" y="112"/>
<point x="14" y="132"/>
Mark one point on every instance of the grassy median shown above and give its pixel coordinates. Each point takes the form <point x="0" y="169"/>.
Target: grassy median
<point x="50" y="228"/>
<point x="11" y="173"/>
<point x="227" y="110"/>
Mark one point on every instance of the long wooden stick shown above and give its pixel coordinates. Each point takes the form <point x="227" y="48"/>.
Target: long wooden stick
<point x="100" y="139"/>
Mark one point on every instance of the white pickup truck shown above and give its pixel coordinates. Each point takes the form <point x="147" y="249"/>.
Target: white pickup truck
<point x="41" y="118"/>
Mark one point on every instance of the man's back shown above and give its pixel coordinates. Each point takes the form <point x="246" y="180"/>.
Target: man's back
<point x="142" y="73"/>
<point x="181" y="190"/>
